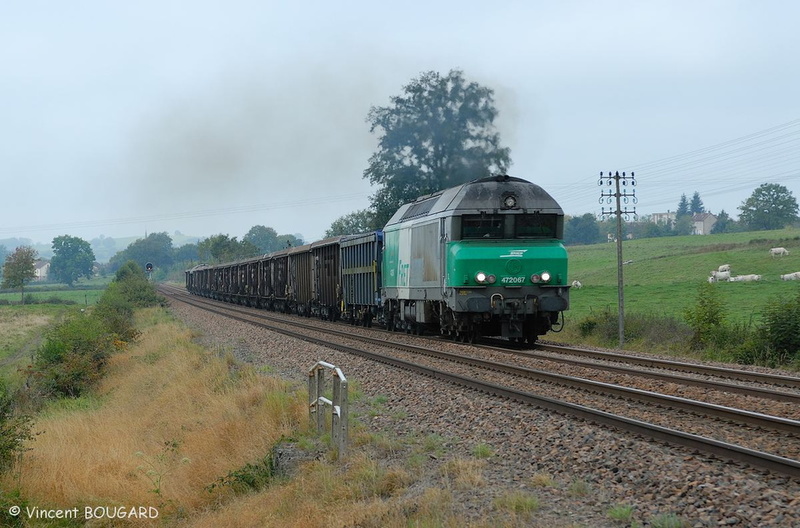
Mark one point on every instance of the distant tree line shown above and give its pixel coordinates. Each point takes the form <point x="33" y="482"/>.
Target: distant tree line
<point x="771" y="206"/>
<point x="73" y="258"/>
<point x="157" y="249"/>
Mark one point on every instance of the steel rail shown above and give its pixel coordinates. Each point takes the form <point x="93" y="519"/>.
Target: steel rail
<point x="760" y="392"/>
<point x="708" y="445"/>
<point x="720" y="372"/>
<point x="718" y="411"/>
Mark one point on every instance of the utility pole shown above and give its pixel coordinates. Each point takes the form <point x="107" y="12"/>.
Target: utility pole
<point x="621" y="197"/>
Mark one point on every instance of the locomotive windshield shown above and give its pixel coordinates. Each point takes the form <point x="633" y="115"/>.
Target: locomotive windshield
<point x="509" y="226"/>
<point x="482" y="226"/>
<point x="536" y="226"/>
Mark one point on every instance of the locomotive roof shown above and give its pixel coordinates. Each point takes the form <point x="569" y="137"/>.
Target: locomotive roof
<point x="486" y="194"/>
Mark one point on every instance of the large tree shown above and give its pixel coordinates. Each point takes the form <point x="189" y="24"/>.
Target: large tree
<point x="696" y="206"/>
<point x="19" y="269"/>
<point x="3" y="254"/>
<point x="73" y="258"/>
<point x="582" y="230"/>
<point x="155" y="248"/>
<point x="724" y="224"/>
<point x="264" y="238"/>
<point x="361" y="221"/>
<point x="683" y="208"/>
<point x="771" y="206"/>
<point x="186" y="253"/>
<point x="439" y="133"/>
<point x="224" y="248"/>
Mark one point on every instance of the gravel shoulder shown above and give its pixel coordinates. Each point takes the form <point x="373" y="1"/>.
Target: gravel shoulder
<point x="578" y="470"/>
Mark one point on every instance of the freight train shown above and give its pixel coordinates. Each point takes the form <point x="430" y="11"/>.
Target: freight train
<point x="485" y="258"/>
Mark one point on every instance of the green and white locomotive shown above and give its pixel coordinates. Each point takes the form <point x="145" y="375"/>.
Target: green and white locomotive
<point x="484" y="258"/>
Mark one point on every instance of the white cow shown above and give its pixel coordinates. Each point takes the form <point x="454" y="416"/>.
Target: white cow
<point x="725" y="267"/>
<point x="778" y="252"/>
<point x="577" y="284"/>
<point x="791" y="276"/>
<point x="745" y="278"/>
<point x="721" y="275"/>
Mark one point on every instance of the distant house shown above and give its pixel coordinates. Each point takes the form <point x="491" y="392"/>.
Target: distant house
<point x="667" y="218"/>
<point x="40" y="269"/>
<point x="703" y="223"/>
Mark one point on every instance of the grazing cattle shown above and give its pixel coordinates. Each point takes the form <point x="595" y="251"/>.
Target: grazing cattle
<point x="778" y="252"/>
<point x="791" y="276"/>
<point x="725" y="267"/>
<point x="577" y="284"/>
<point x="745" y="278"/>
<point x="721" y="275"/>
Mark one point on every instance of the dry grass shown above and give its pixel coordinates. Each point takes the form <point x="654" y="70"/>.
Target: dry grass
<point x="190" y="417"/>
<point x="359" y="494"/>
<point x="167" y="400"/>
<point x="20" y="334"/>
<point x="464" y="473"/>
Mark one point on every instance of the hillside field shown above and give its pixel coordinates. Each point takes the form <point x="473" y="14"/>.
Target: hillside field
<point x="664" y="273"/>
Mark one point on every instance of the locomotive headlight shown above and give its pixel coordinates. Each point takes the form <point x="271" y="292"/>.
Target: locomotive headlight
<point x="491" y="279"/>
<point x="480" y="277"/>
<point x="546" y="276"/>
<point x="535" y="278"/>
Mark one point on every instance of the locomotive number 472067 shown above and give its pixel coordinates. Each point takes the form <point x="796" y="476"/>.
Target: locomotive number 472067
<point x="512" y="280"/>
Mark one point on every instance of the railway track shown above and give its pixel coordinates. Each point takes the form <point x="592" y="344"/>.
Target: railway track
<point x="469" y="368"/>
<point x="763" y="385"/>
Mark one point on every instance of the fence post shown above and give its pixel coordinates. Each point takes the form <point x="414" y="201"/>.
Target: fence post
<point x="339" y="406"/>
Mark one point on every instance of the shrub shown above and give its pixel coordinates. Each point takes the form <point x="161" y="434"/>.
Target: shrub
<point x="15" y="430"/>
<point x="707" y="317"/>
<point x="7" y="500"/>
<point x="781" y="325"/>
<point x="72" y="357"/>
<point x="251" y="477"/>
<point x="777" y="339"/>
<point x="115" y="312"/>
<point x="649" y="328"/>
<point x="132" y="284"/>
<point x="588" y="325"/>
<point x="53" y="299"/>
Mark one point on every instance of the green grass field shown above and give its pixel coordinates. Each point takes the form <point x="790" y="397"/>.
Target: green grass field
<point x="665" y="273"/>
<point x="21" y="331"/>
<point x="85" y="292"/>
<point x="82" y="297"/>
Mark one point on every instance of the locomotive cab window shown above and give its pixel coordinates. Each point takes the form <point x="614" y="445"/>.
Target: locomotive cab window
<point x="481" y="226"/>
<point x="536" y="226"/>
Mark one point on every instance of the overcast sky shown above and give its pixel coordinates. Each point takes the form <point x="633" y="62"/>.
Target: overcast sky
<point x="120" y="118"/>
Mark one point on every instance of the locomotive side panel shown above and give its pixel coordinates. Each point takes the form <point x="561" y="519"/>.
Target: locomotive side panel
<point x="424" y="256"/>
